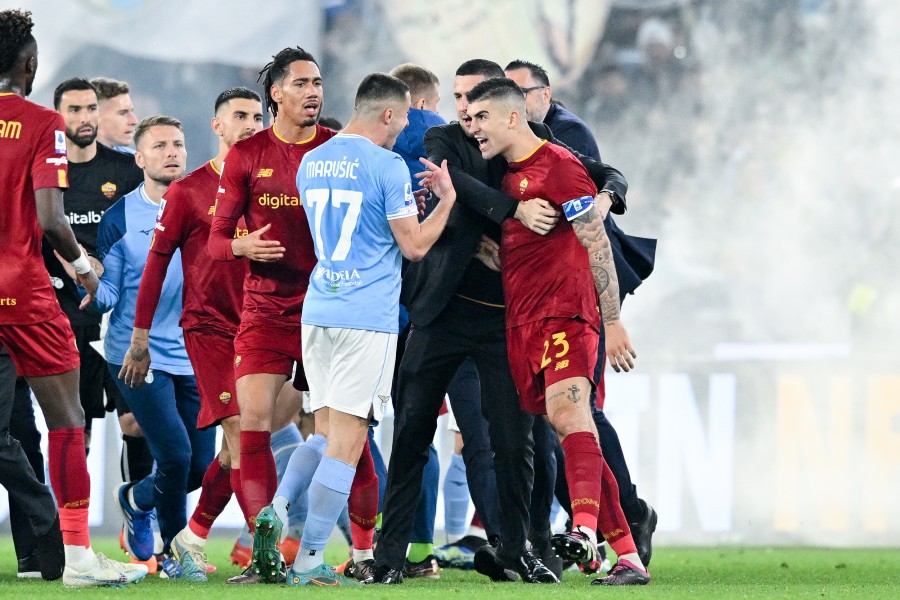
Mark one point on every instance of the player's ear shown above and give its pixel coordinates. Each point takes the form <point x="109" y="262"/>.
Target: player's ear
<point x="420" y="104"/>
<point x="216" y="125"/>
<point x="139" y="159"/>
<point x="547" y="92"/>
<point x="275" y="92"/>
<point x="513" y="119"/>
<point x="388" y="115"/>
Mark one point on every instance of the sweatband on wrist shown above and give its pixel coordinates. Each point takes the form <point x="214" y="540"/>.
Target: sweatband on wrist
<point x="81" y="264"/>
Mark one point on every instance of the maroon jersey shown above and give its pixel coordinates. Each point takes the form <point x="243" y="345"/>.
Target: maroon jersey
<point x="212" y="292"/>
<point x="547" y="275"/>
<point x="32" y="157"/>
<point x="259" y="183"/>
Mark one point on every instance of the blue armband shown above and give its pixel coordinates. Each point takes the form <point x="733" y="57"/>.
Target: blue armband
<point x="577" y="207"/>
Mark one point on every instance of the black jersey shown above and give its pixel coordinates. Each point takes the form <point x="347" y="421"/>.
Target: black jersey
<point x="94" y="186"/>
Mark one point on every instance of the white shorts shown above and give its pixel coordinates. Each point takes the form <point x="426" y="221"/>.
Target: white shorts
<point x="451" y="418"/>
<point x="349" y="370"/>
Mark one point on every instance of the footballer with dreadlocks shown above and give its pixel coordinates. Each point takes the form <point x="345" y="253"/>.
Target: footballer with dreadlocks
<point x="258" y="183"/>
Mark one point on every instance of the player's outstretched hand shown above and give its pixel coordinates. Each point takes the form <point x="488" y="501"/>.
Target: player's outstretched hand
<point x="489" y="253"/>
<point x="437" y="179"/>
<point x="90" y="282"/>
<point x="255" y="248"/>
<point x="619" y="351"/>
<point x="137" y="359"/>
<point x="537" y="215"/>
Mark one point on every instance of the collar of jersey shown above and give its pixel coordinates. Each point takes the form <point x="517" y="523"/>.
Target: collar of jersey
<point x="306" y="141"/>
<point x="144" y="195"/>
<point x="530" y="154"/>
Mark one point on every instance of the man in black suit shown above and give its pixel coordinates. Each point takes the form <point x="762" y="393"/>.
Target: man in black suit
<point x="456" y="309"/>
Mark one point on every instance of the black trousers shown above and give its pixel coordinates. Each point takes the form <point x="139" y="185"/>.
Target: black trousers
<point x="433" y="355"/>
<point x="32" y="508"/>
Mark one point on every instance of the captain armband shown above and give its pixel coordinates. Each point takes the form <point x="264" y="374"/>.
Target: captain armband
<point x="577" y="207"/>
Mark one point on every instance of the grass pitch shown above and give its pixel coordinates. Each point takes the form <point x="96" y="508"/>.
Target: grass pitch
<point x="688" y="573"/>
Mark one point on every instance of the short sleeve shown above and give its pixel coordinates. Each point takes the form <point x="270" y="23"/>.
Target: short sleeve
<point x="399" y="201"/>
<point x="577" y="197"/>
<point x="172" y="226"/>
<point x="50" y="168"/>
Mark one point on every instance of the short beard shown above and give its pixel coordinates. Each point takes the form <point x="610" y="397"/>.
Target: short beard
<point x="82" y="141"/>
<point x="309" y="122"/>
<point x="165" y="179"/>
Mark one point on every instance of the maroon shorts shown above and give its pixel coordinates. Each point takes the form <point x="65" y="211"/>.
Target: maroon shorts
<point x="262" y="347"/>
<point x="544" y="352"/>
<point x="212" y="356"/>
<point x="42" y="349"/>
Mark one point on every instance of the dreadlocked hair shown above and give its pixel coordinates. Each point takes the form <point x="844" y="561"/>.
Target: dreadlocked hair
<point x="15" y="34"/>
<point x="277" y="69"/>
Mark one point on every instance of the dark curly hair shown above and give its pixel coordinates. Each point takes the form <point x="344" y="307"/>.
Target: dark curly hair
<point x="15" y="34"/>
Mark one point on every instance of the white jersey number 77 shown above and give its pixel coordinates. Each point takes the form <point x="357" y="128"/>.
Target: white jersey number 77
<point x="319" y="199"/>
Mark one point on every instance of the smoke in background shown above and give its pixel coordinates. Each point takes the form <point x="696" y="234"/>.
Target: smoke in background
<point x="765" y="161"/>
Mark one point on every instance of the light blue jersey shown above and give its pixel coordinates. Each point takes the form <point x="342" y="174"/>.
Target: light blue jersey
<point x="350" y="189"/>
<point x="123" y="243"/>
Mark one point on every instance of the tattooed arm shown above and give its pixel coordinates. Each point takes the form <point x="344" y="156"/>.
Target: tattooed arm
<point x="590" y="232"/>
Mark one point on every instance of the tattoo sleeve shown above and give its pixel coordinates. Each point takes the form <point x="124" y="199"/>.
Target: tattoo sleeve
<point x="590" y="232"/>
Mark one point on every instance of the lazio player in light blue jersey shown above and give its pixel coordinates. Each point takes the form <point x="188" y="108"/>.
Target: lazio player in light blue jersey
<point x="359" y="202"/>
<point x="351" y="190"/>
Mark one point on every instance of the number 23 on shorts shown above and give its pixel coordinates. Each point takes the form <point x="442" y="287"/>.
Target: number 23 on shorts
<point x="560" y="345"/>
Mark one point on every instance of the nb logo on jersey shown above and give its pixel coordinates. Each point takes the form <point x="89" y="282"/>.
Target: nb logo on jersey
<point x="265" y="172"/>
<point x="212" y="210"/>
<point x="10" y="130"/>
<point x="563" y="364"/>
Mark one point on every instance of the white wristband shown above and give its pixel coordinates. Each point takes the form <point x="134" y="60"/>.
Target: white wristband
<point x="81" y="264"/>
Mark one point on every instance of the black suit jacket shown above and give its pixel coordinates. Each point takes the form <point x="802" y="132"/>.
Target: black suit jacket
<point x="430" y="283"/>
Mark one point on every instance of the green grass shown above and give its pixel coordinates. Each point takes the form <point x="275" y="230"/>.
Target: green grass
<point x="689" y="573"/>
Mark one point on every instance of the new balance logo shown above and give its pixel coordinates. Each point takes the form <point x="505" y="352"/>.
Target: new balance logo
<point x="265" y="172"/>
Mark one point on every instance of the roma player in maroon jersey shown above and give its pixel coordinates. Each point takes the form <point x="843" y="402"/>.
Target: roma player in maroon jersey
<point x="210" y="318"/>
<point x="33" y="175"/>
<point x="258" y="183"/>
<point x="552" y="289"/>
